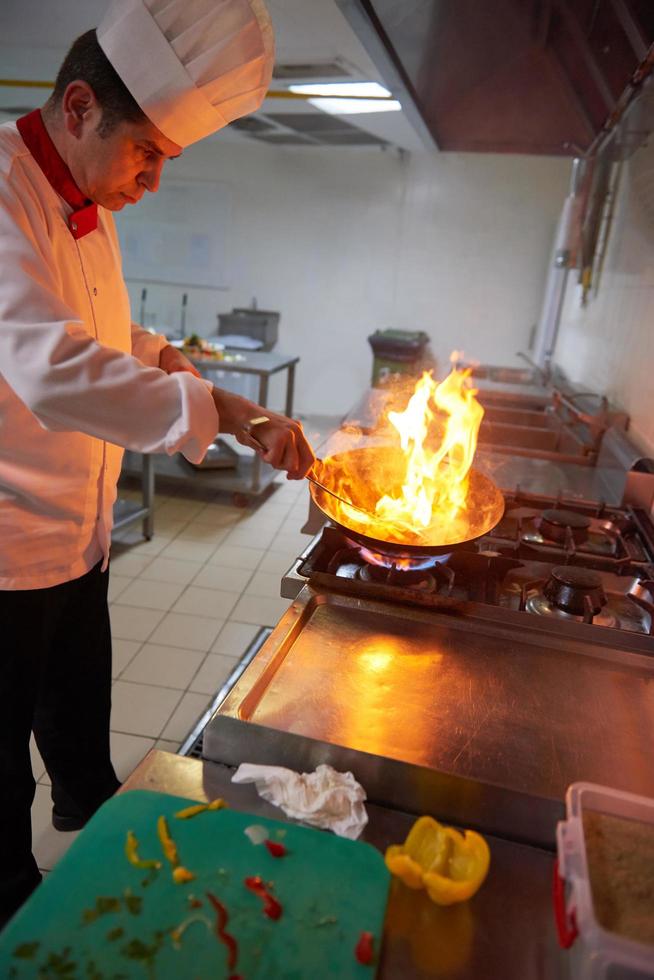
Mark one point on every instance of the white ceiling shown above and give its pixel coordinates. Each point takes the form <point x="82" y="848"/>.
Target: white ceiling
<point x="36" y="34"/>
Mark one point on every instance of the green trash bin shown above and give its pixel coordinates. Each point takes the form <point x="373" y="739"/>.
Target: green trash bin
<point x="397" y="352"/>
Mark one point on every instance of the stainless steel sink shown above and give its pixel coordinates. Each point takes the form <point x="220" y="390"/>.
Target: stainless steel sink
<point x="537" y="418"/>
<point x="515" y="376"/>
<point x="549" y="440"/>
<point x="517" y="436"/>
<point x="507" y="375"/>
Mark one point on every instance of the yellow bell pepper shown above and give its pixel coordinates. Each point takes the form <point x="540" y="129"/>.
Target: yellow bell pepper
<point x="181" y="875"/>
<point x="450" y="865"/>
<point x="192" y="811"/>
<point x="131" y="852"/>
<point x="168" y="845"/>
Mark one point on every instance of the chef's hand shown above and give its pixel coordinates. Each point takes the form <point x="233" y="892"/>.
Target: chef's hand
<point x="286" y="447"/>
<point x="171" y="359"/>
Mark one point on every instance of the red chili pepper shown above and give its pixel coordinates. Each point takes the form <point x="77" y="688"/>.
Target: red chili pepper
<point x="271" y="907"/>
<point x="276" y="849"/>
<point x="363" y="950"/>
<point x="223" y="935"/>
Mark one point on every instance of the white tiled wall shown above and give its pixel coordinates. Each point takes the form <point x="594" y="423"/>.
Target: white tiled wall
<point x="609" y="345"/>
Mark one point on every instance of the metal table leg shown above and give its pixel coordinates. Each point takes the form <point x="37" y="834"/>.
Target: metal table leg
<point x="127" y="512"/>
<point x="256" y="465"/>
<point x="290" y="387"/>
<point x="147" y="493"/>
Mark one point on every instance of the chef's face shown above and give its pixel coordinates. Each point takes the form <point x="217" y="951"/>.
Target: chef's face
<point x="118" y="167"/>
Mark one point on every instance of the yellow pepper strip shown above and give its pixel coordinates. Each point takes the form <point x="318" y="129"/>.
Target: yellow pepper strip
<point x="131" y="853"/>
<point x="192" y="811"/>
<point x="450" y="865"/>
<point x="167" y="843"/>
<point x="182" y="875"/>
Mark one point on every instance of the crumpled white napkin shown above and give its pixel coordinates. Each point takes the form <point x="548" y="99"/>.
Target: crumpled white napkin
<point x="324" y="798"/>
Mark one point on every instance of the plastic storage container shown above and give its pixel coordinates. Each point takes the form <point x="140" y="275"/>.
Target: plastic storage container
<point x="595" y="953"/>
<point x="263" y="325"/>
<point x="397" y="352"/>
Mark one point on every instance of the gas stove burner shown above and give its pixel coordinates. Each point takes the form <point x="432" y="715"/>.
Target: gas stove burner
<point x="419" y="579"/>
<point x="561" y="525"/>
<point x="424" y="574"/>
<point x="575" y="590"/>
<point x="565" y="530"/>
<point x="575" y="593"/>
<point x="411" y="563"/>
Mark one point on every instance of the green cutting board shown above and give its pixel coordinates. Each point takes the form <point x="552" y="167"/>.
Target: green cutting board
<point x="330" y="889"/>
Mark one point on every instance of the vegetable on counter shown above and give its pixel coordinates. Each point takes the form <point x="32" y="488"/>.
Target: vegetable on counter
<point x="276" y="848"/>
<point x="199" y="347"/>
<point x="168" y="845"/>
<point x="450" y="865"/>
<point x="132" y="855"/>
<point x="271" y="907"/>
<point x="192" y="811"/>
<point x="363" y="950"/>
<point x="181" y="875"/>
<point x="221" y="930"/>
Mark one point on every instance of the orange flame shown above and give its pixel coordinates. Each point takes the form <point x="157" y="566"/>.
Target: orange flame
<point x="416" y="490"/>
<point x="435" y="485"/>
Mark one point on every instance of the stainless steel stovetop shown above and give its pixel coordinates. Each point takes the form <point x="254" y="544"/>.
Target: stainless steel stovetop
<point x="478" y="687"/>
<point x="565" y="561"/>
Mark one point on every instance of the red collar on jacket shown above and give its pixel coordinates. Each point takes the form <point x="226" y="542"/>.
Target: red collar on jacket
<point x="35" y="137"/>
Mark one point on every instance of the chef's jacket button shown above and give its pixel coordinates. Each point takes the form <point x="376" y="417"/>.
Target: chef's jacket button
<point x="73" y="225"/>
<point x="95" y="291"/>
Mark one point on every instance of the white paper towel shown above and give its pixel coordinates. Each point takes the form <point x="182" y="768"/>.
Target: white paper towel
<point x="324" y="798"/>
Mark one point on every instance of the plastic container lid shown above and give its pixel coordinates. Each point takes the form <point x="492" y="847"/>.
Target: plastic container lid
<point x="608" y="954"/>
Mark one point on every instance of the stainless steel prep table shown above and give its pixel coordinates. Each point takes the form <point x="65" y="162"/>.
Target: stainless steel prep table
<point x="251" y="476"/>
<point x="506" y="931"/>
<point x="263" y="364"/>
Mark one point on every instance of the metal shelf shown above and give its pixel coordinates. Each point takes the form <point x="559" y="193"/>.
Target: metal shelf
<point x="129" y="511"/>
<point x="243" y="480"/>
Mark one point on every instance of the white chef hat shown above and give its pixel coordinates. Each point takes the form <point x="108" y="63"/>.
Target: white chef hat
<point x="192" y="65"/>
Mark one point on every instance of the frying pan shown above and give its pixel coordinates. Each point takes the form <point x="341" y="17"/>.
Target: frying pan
<point x="379" y="470"/>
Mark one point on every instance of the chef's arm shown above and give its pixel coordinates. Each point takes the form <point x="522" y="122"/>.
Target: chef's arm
<point x="279" y="440"/>
<point x="72" y="383"/>
<point x="155" y="351"/>
<point x="147" y="346"/>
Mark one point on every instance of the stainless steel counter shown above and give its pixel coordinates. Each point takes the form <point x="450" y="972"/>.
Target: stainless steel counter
<point x="466" y="711"/>
<point x="546" y="477"/>
<point x="506" y="931"/>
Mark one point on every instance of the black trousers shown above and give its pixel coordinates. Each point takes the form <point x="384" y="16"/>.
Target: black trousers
<point x="55" y="680"/>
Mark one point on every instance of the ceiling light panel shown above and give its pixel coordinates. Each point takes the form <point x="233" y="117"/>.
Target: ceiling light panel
<point x="370" y="90"/>
<point x="351" y="107"/>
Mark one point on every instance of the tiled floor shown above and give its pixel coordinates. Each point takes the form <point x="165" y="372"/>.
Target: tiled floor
<point x="184" y="607"/>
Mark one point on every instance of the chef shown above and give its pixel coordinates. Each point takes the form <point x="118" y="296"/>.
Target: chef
<point x="79" y="381"/>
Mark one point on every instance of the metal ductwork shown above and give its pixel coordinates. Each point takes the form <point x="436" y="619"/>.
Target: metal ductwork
<point x="512" y="76"/>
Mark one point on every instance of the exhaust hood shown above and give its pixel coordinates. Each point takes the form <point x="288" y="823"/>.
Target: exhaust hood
<point x="511" y="76"/>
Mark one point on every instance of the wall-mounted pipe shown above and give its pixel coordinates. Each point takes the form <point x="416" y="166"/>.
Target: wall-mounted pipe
<point x="562" y="258"/>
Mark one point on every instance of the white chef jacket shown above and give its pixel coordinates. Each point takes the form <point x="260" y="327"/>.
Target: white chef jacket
<point x="78" y="382"/>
